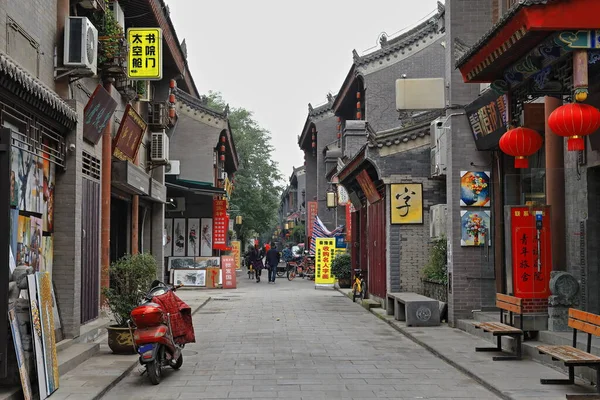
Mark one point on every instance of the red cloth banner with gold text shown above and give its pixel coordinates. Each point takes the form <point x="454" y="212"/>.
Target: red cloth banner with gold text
<point x="349" y="224"/>
<point x="219" y="224"/>
<point x="531" y="262"/>
<point x="228" y="271"/>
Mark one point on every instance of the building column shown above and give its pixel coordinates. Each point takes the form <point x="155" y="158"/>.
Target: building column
<point x="105" y="209"/>
<point x="555" y="187"/>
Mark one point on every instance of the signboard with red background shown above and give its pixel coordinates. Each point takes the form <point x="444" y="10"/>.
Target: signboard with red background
<point x="530" y="280"/>
<point x="219" y="224"/>
<point x="228" y="271"/>
<point x="129" y="137"/>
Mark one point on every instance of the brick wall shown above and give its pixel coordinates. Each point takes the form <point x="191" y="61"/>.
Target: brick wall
<point x="467" y="20"/>
<point x="326" y="125"/>
<point x="535" y="306"/>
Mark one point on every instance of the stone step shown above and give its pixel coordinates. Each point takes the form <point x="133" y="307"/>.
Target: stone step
<point x="74" y="355"/>
<point x="369" y="304"/>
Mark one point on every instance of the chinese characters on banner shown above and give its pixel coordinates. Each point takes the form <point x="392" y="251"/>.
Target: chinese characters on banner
<point x="219" y="224"/>
<point x="236" y="252"/>
<point x="349" y="210"/>
<point x="325" y="253"/>
<point x="368" y="187"/>
<point x="129" y="137"/>
<point x="96" y="114"/>
<point x="488" y="117"/>
<point x="531" y="259"/>
<point x="311" y="213"/>
<point x="145" y="53"/>
<point x="228" y="272"/>
<point x="407" y="203"/>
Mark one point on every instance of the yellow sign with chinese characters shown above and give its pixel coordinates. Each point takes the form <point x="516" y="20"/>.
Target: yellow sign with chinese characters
<point x="407" y="203"/>
<point x="145" y="53"/>
<point x="236" y="252"/>
<point x="325" y="253"/>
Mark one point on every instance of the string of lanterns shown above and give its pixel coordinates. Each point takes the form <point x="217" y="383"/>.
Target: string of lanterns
<point x="314" y="141"/>
<point x="358" y="107"/>
<point x="222" y="148"/>
<point x="172" y="100"/>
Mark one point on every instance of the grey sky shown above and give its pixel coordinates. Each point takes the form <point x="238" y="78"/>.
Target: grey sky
<point x="273" y="57"/>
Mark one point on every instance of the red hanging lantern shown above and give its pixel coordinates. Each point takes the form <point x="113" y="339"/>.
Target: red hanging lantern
<point x="223" y="139"/>
<point x="575" y="121"/>
<point x="222" y="157"/>
<point x="172" y="83"/>
<point x="171" y="113"/>
<point x="521" y="143"/>
<point x="314" y="144"/>
<point x="222" y="148"/>
<point x="172" y="98"/>
<point x="339" y="135"/>
<point x="358" y="115"/>
<point x="358" y="95"/>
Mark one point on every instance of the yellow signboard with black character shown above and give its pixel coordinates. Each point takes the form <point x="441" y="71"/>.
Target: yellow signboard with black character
<point x="145" y="53"/>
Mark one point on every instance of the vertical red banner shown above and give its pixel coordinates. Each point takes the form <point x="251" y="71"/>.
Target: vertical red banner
<point x="531" y="257"/>
<point x="311" y="213"/>
<point x="219" y="224"/>
<point x="349" y="224"/>
<point x="228" y="271"/>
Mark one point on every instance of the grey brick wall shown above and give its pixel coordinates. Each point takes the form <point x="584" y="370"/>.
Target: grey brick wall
<point x="326" y="125"/>
<point x="381" y="84"/>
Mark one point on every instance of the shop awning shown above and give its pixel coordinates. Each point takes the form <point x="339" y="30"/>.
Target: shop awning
<point x="201" y="188"/>
<point x="523" y="27"/>
<point x="20" y="82"/>
<point x="293" y="216"/>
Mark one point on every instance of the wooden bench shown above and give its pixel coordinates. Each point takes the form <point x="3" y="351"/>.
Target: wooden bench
<point x="413" y="308"/>
<point x="513" y="305"/>
<point x="571" y="355"/>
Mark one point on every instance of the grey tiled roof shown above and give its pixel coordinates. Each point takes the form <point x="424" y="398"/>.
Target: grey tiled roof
<point x="494" y="30"/>
<point x="419" y="129"/>
<point x="198" y="104"/>
<point x="407" y="39"/>
<point x="35" y="87"/>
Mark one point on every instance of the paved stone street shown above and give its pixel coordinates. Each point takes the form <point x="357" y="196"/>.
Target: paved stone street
<point x="291" y="341"/>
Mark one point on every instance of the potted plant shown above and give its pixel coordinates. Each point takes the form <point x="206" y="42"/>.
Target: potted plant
<point x="340" y="268"/>
<point x="130" y="279"/>
<point x="435" y="274"/>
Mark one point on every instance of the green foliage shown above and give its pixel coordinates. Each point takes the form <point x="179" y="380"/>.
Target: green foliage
<point x="298" y="233"/>
<point x="110" y="34"/>
<point x="130" y="279"/>
<point x="341" y="266"/>
<point x="140" y="87"/>
<point x="256" y="192"/>
<point x="436" y="268"/>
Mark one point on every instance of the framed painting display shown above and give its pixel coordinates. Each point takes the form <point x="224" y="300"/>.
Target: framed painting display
<point x="179" y="237"/>
<point x="168" y="233"/>
<point x="193" y="245"/>
<point x="189" y="277"/>
<point x="406" y="203"/>
<point x="475" y="227"/>
<point x="206" y="237"/>
<point x="46" y="313"/>
<point x="16" y="334"/>
<point x="475" y="188"/>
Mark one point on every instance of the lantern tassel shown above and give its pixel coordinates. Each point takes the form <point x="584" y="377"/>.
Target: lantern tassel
<point x="576" y="143"/>
<point x="521" y="162"/>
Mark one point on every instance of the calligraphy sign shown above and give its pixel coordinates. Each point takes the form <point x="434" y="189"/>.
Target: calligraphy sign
<point x="219" y="224"/>
<point x="349" y="208"/>
<point x="531" y="257"/>
<point x="145" y="54"/>
<point x="406" y="203"/>
<point x="488" y="116"/>
<point x="129" y="137"/>
<point x="312" y="211"/>
<point x="97" y="113"/>
<point x="228" y="272"/>
<point x="368" y="187"/>
<point x="236" y="252"/>
<point x="325" y="253"/>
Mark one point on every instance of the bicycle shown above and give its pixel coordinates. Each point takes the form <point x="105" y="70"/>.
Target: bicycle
<point x="359" y="288"/>
<point x="294" y="268"/>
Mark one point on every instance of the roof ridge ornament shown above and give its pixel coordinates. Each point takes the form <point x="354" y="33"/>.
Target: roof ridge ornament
<point x="460" y="48"/>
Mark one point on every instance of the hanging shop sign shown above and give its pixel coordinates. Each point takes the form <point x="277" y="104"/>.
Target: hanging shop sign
<point x="531" y="252"/>
<point x="368" y="187"/>
<point x="219" y="224"/>
<point x="97" y="113"/>
<point x="406" y="203"/>
<point x="228" y="272"/>
<point x="313" y="210"/>
<point x="343" y="197"/>
<point x="349" y="208"/>
<point x="236" y="252"/>
<point x="145" y="54"/>
<point x="488" y="116"/>
<point x="324" y="255"/>
<point x="129" y="137"/>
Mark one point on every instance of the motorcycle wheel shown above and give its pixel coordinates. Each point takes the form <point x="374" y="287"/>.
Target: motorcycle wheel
<point x="177" y="364"/>
<point x="154" y="371"/>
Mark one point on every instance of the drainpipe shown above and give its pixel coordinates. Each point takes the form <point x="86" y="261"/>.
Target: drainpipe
<point x="62" y="11"/>
<point x="135" y="207"/>
<point x="555" y="187"/>
<point x="106" y="179"/>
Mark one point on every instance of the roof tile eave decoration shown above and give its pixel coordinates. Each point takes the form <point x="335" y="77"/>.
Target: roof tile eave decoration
<point x="407" y="39"/>
<point x="198" y="104"/>
<point x="506" y="18"/>
<point x="323" y="109"/>
<point x="36" y="87"/>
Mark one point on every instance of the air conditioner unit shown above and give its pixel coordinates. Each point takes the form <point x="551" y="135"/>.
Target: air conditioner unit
<point x="437" y="220"/>
<point x="81" y="44"/>
<point x="176" y="204"/>
<point x="173" y="167"/>
<point x="222" y="175"/>
<point x="159" y="151"/>
<point x="118" y="13"/>
<point x="438" y="148"/>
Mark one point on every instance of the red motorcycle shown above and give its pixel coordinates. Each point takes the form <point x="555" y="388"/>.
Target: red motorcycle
<point x="161" y="326"/>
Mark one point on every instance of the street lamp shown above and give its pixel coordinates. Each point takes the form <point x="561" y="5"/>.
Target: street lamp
<point x="238" y="220"/>
<point x="287" y="226"/>
<point x="331" y="198"/>
<point x="291" y="224"/>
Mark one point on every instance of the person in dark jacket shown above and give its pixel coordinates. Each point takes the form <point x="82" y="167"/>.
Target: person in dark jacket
<point x="256" y="257"/>
<point x="273" y="258"/>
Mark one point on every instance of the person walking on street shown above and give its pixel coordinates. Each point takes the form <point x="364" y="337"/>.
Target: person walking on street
<point x="256" y="257"/>
<point x="273" y="258"/>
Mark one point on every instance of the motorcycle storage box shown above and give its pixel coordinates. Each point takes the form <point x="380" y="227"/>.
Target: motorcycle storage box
<point x="148" y="315"/>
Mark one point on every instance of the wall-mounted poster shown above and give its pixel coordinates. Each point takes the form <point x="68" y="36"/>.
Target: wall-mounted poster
<point x="407" y="203"/>
<point x="23" y="240"/>
<point x="46" y="254"/>
<point x="475" y="226"/>
<point x="189" y="277"/>
<point x="16" y="334"/>
<point x="168" y="247"/>
<point x="35" y="243"/>
<point x="206" y="239"/>
<point x="179" y="234"/>
<point x="46" y="311"/>
<point x="475" y="188"/>
<point x="193" y="244"/>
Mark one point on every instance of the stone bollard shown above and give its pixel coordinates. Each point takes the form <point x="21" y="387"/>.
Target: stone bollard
<point x="565" y="294"/>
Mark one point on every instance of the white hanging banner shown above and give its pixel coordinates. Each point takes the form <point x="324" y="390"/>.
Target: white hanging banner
<point x="343" y="197"/>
